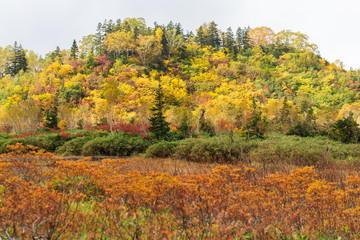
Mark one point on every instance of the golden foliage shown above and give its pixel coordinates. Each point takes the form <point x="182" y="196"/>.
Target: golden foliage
<point x="45" y="197"/>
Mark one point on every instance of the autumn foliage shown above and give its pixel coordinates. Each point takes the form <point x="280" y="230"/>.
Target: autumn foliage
<point x="43" y="196"/>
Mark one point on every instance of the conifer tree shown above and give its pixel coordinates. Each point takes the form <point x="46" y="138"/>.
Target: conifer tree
<point x="56" y="55"/>
<point x="51" y="119"/>
<point x="74" y="50"/>
<point x="255" y="127"/>
<point x="213" y="35"/>
<point x="200" y="36"/>
<point x="17" y="61"/>
<point x="229" y="40"/>
<point x="158" y="125"/>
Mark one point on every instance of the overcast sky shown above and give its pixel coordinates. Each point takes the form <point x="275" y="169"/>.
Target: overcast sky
<point x="41" y="25"/>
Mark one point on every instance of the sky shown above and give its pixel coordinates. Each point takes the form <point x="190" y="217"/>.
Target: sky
<point x="41" y="25"/>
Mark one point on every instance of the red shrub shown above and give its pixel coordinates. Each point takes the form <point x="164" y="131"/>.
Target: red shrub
<point x="65" y="134"/>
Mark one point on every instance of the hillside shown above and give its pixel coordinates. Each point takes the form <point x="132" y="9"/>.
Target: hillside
<point x="251" y="81"/>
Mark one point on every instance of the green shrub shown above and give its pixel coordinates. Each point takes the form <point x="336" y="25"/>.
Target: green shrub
<point x="162" y="149"/>
<point x="175" y="136"/>
<point x="73" y="147"/>
<point x="302" y="129"/>
<point x="212" y="150"/>
<point x="49" y="142"/>
<point x="346" y="130"/>
<point x="119" y="144"/>
<point x="5" y="136"/>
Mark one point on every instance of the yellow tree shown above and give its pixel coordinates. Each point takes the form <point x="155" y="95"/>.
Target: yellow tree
<point x="347" y="109"/>
<point x="261" y="36"/>
<point x="20" y="114"/>
<point x="295" y="40"/>
<point x="148" y="47"/>
<point x="4" y="55"/>
<point x="119" y="42"/>
<point x="111" y="94"/>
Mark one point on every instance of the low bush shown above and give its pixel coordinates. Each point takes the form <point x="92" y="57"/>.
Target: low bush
<point x="161" y="149"/>
<point x="73" y="147"/>
<point x="49" y="142"/>
<point x="213" y="150"/>
<point x="119" y="144"/>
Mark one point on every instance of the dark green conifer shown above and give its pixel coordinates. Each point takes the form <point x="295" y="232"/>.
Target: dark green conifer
<point x="17" y="61"/>
<point x="158" y="125"/>
<point x="74" y="50"/>
<point x="213" y="35"/>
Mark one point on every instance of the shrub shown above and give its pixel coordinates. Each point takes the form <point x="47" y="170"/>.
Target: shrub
<point x="175" y="135"/>
<point x="345" y="130"/>
<point x="73" y="147"/>
<point x="49" y="142"/>
<point x="302" y="129"/>
<point x="5" y="136"/>
<point x="212" y="150"/>
<point x="119" y="144"/>
<point x="162" y="149"/>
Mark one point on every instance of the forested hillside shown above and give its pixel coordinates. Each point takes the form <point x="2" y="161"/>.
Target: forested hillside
<point x="248" y="80"/>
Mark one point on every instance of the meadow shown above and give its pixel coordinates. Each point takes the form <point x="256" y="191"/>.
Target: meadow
<point x="267" y="192"/>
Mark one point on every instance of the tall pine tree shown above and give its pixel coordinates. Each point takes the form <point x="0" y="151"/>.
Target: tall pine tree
<point x="74" y="50"/>
<point x="229" y="40"/>
<point x="158" y="125"/>
<point x="17" y="61"/>
<point x="213" y="35"/>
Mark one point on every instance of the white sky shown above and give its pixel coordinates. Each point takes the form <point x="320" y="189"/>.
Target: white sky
<point x="41" y="25"/>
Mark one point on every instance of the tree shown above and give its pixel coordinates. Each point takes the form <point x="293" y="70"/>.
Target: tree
<point x="346" y="130"/>
<point x="74" y="50"/>
<point x="50" y="117"/>
<point x="119" y="42"/>
<point x="242" y="37"/>
<point x="55" y="55"/>
<point x="111" y="95"/>
<point x="200" y="36"/>
<point x="294" y="40"/>
<point x="5" y="53"/>
<point x="213" y="35"/>
<point x="148" y="47"/>
<point x="229" y="40"/>
<point x="158" y="125"/>
<point x="261" y="36"/>
<point x="174" y="40"/>
<point x="255" y="127"/>
<point x="17" y="61"/>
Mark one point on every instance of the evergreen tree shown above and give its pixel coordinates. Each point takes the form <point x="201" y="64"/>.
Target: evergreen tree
<point x="229" y="40"/>
<point x="74" y="50"/>
<point x="246" y="38"/>
<point x="346" y="130"/>
<point x="51" y="120"/>
<point x="242" y="37"/>
<point x="200" y="36"/>
<point x="255" y="127"/>
<point x="55" y="55"/>
<point x="213" y="35"/>
<point x="17" y="61"/>
<point x="179" y="29"/>
<point x="158" y="125"/>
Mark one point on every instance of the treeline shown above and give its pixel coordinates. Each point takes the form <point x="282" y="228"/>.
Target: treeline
<point x="251" y="81"/>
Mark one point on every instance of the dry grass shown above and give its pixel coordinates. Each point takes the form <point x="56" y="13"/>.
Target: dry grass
<point x="167" y="165"/>
<point x="331" y="171"/>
